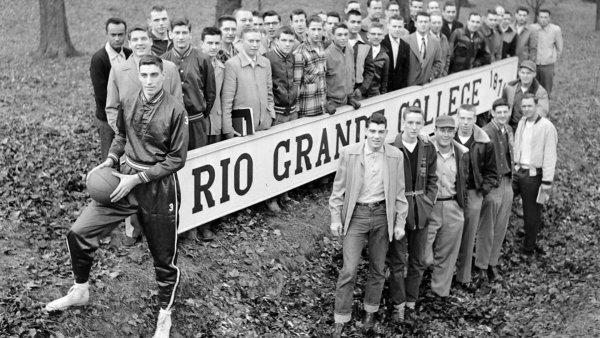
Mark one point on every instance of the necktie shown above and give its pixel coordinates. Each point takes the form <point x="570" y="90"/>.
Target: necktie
<point x="423" y="49"/>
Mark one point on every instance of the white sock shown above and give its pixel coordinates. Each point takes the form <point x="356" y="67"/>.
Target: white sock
<point x="410" y="305"/>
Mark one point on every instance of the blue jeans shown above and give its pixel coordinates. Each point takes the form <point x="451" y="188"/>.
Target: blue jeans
<point x="367" y="225"/>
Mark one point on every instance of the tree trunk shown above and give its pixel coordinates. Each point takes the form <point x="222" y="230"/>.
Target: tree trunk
<point x="597" y="15"/>
<point x="224" y="7"/>
<point x="54" y="31"/>
<point x="460" y="4"/>
<point x="405" y="10"/>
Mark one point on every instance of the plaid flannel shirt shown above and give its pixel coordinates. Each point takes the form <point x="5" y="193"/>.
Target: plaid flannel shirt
<point x="309" y="76"/>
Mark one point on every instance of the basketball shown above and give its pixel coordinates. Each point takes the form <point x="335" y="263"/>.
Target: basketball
<point x="101" y="183"/>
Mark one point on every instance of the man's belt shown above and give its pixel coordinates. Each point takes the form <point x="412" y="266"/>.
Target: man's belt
<point x="370" y="205"/>
<point x="451" y="198"/>
<point x="414" y="193"/>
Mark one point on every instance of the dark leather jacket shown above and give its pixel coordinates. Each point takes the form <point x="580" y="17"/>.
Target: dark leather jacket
<point x="483" y="162"/>
<point x="467" y="53"/>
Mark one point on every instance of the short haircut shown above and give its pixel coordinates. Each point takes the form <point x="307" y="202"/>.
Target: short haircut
<point x="412" y="110"/>
<point x="256" y="13"/>
<point x="210" y="31"/>
<point x="499" y="103"/>
<point x="508" y="12"/>
<point x="240" y="10"/>
<point x="377" y="118"/>
<point x="350" y="2"/>
<point x="338" y="26"/>
<point x="334" y="14"/>
<point x="422" y="13"/>
<point x="353" y="12"/>
<point x="523" y="9"/>
<point x="271" y="13"/>
<point x="468" y="107"/>
<point x="530" y="96"/>
<point x="492" y="11"/>
<point x="370" y="1"/>
<point x="115" y="21"/>
<point x="544" y="10"/>
<point x="157" y="8"/>
<point x="284" y="30"/>
<point x="449" y="4"/>
<point x="137" y="28"/>
<point x="411" y="1"/>
<point x="248" y="30"/>
<point x="396" y="17"/>
<point x="181" y="22"/>
<point x="435" y="13"/>
<point x="224" y="18"/>
<point x="313" y="18"/>
<point x="298" y="11"/>
<point x="150" y="59"/>
<point x="376" y="24"/>
<point x="391" y="3"/>
<point x="473" y="14"/>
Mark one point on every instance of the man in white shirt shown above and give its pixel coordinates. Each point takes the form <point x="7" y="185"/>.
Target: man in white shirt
<point x="535" y="161"/>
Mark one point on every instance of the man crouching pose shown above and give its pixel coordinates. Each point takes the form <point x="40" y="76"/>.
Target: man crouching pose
<point x="153" y="135"/>
<point x="367" y="204"/>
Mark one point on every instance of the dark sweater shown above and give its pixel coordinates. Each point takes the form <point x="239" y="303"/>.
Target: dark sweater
<point x="99" y="72"/>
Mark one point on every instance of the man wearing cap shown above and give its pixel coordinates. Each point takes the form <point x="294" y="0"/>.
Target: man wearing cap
<point x="526" y="83"/>
<point x="495" y="210"/>
<point x="481" y="180"/>
<point x="447" y="219"/>
<point x="535" y="161"/>
<point x="367" y="205"/>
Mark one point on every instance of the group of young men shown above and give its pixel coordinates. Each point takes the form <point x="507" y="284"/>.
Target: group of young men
<point x="443" y="203"/>
<point x="424" y="199"/>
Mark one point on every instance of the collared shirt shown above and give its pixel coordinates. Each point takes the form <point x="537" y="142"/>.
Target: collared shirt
<point x="372" y="187"/>
<point x="525" y="159"/>
<point x="114" y="56"/>
<point x="420" y="41"/>
<point x="446" y="172"/>
<point x="353" y="42"/>
<point x="520" y="29"/>
<point x="252" y="60"/>
<point x="550" y="43"/>
<point x="376" y="50"/>
<point x="395" y="46"/>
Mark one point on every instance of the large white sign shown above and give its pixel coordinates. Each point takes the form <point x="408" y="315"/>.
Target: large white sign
<point x="228" y="176"/>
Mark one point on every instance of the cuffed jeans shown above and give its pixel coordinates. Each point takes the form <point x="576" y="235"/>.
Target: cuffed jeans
<point x="406" y="288"/>
<point x="529" y="187"/>
<point x="367" y="225"/>
<point x="443" y="241"/>
<point x="493" y="222"/>
<point x="465" y="255"/>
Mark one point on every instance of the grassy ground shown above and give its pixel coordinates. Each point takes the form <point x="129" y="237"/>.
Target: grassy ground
<point x="266" y="275"/>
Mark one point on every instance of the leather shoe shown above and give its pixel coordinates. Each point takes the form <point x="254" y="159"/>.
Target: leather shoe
<point x="369" y="320"/>
<point x="337" y="330"/>
<point x="354" y="103"/>
<point x="207" y="235"/>
<point x="493" y="274"/>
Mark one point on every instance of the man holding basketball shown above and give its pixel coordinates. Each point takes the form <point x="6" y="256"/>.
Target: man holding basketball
<point x="152" y="133"/>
